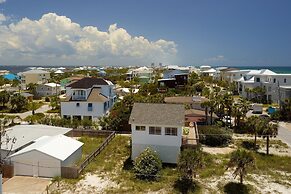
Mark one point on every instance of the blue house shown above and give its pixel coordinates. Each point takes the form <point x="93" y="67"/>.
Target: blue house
<point x="10" y="76"/>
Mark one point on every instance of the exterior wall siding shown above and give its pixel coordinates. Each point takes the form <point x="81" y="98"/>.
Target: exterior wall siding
<point x="167" y="146"/>
<point x="35" y="163"/>
<point x="71" y="109"/>
<point x="72" y="158"/>
<point x="168" y="154"/>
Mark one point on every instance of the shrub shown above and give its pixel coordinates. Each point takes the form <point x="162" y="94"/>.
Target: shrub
<point x="214" y="136"/>
<point x="147" y="165"/>
<point x="47" y="99"/>
<point x="250" y="145"/>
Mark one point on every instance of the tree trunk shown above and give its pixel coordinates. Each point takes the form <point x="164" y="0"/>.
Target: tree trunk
<point x="241" y="178"/>
<point x="211" y="116"/>
<point x="268" y="145"/>
<point x="255" y="141"/>
<point x="206" y="115"/>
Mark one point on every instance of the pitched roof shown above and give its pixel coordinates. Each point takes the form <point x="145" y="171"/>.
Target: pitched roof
<point x="185" y="99"/>
<point x="35" y="71"/>
<point x="157" y="114"/>
<point x="25" y="134"/>
<point x="59" y="146"/>
<point x="96" y="96"/>
<point x="88" y="82"/>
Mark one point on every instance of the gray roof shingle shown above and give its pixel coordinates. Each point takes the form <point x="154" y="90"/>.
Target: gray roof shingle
<point x="157" y="114"/>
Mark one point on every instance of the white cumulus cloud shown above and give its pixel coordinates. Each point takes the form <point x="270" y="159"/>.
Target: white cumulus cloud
<point x="2" y="1"/>
<point x="215" y="59"/>
<point x="55" y="39"/>
<point x="2" y="18"/>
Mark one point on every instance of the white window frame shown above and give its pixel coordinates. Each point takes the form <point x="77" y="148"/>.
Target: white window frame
<point x="173" y="131"/>
<point x="140" y="128"/>
<point x="155" y="130"/>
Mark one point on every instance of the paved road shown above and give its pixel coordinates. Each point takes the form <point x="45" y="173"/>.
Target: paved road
<point x="42" y="109"/>
<point x="284" y="132"/>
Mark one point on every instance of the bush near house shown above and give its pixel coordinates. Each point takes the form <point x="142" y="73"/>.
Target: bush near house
<point x="214" y="136"/>
<point x="147" y="165"/>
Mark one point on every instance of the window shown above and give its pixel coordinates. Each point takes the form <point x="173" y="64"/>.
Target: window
<point x="140" y="128"/>
<point x="77" y="104"/>
<point x="274" y="80"/>
<point x="171" y="131"/>
<point x="90" y="107"/>
<point x="155" y="131"/>
<point x="258" y="79"/>
<point x="285" y="80"/>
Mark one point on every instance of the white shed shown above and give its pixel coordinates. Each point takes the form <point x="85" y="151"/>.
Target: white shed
<point x="46" y="156"/>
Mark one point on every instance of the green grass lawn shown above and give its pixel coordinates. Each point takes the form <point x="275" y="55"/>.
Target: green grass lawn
<point x="90" y="145"/>
<point x="114" y="162"/>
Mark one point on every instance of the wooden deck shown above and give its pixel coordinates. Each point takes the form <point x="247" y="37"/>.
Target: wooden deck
<point x="192" y="138"/>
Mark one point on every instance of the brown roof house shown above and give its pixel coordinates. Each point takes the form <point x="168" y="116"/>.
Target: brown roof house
<point x="194" y="102"/>
<point x="158" y="126"/>
<point x="88" y="98"/>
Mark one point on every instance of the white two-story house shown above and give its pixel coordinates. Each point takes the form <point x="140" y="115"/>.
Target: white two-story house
<point x="48" y="89"/>
<point x="158" y="126"/>
<point x="88" y="98"/>
<point x="277" y="86"/>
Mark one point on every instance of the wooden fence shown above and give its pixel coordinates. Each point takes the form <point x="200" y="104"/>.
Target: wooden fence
<point x="90" y="133"/>
<point x="74" y="172"/>
<point x="96" y="152"/>
<point x="8" y="170"/>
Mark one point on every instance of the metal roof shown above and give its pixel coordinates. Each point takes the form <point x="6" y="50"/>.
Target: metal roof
<point x="157" y="114"/>
<point x="59" y="146"/>
<point x="26" y="134"/>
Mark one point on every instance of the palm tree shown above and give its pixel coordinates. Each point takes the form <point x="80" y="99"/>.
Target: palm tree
<point x="242" y="161"/>
<point x="211" y="106"/>
<point x="12" y="118"/>
<point x="32" y="107"/>
<point x="4" y="97"/>
<point x="253" y="124"/>
<point x="269" y="130"/>
<point x="248" y="91"/>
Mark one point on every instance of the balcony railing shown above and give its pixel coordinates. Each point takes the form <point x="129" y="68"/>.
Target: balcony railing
<point x="191" y="139"/>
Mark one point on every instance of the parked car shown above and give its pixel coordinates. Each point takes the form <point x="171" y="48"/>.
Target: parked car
<point x="258" y="108"/>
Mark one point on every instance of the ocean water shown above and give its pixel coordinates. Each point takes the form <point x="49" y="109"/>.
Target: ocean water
<point x="277" y="69"/>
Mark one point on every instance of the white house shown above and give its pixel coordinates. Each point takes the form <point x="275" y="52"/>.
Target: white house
<point x="48" y="89"/>
<point x="23" y="135"/>
<point x="276" y="85"/>
<point x="88" y="98"/>
<point x="158" y="126"/>
<point x="46" y="155"/>
<point x="141" y="72"/>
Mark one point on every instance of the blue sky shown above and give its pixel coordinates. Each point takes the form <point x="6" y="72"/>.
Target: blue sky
<point x="226" y="32"/>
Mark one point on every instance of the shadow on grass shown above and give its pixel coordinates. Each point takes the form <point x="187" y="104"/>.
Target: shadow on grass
<point x="250" y="145"/>
<point x="128" y="164"/>
<point x="236" y="188"/>
<point x="185" y="186"/>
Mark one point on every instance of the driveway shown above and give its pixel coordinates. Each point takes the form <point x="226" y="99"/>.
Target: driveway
<point x="284" y="132"/>
<point x="25" y="184"/>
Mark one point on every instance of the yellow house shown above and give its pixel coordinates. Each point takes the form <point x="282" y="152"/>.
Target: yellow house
<point x="35" y="76"/>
